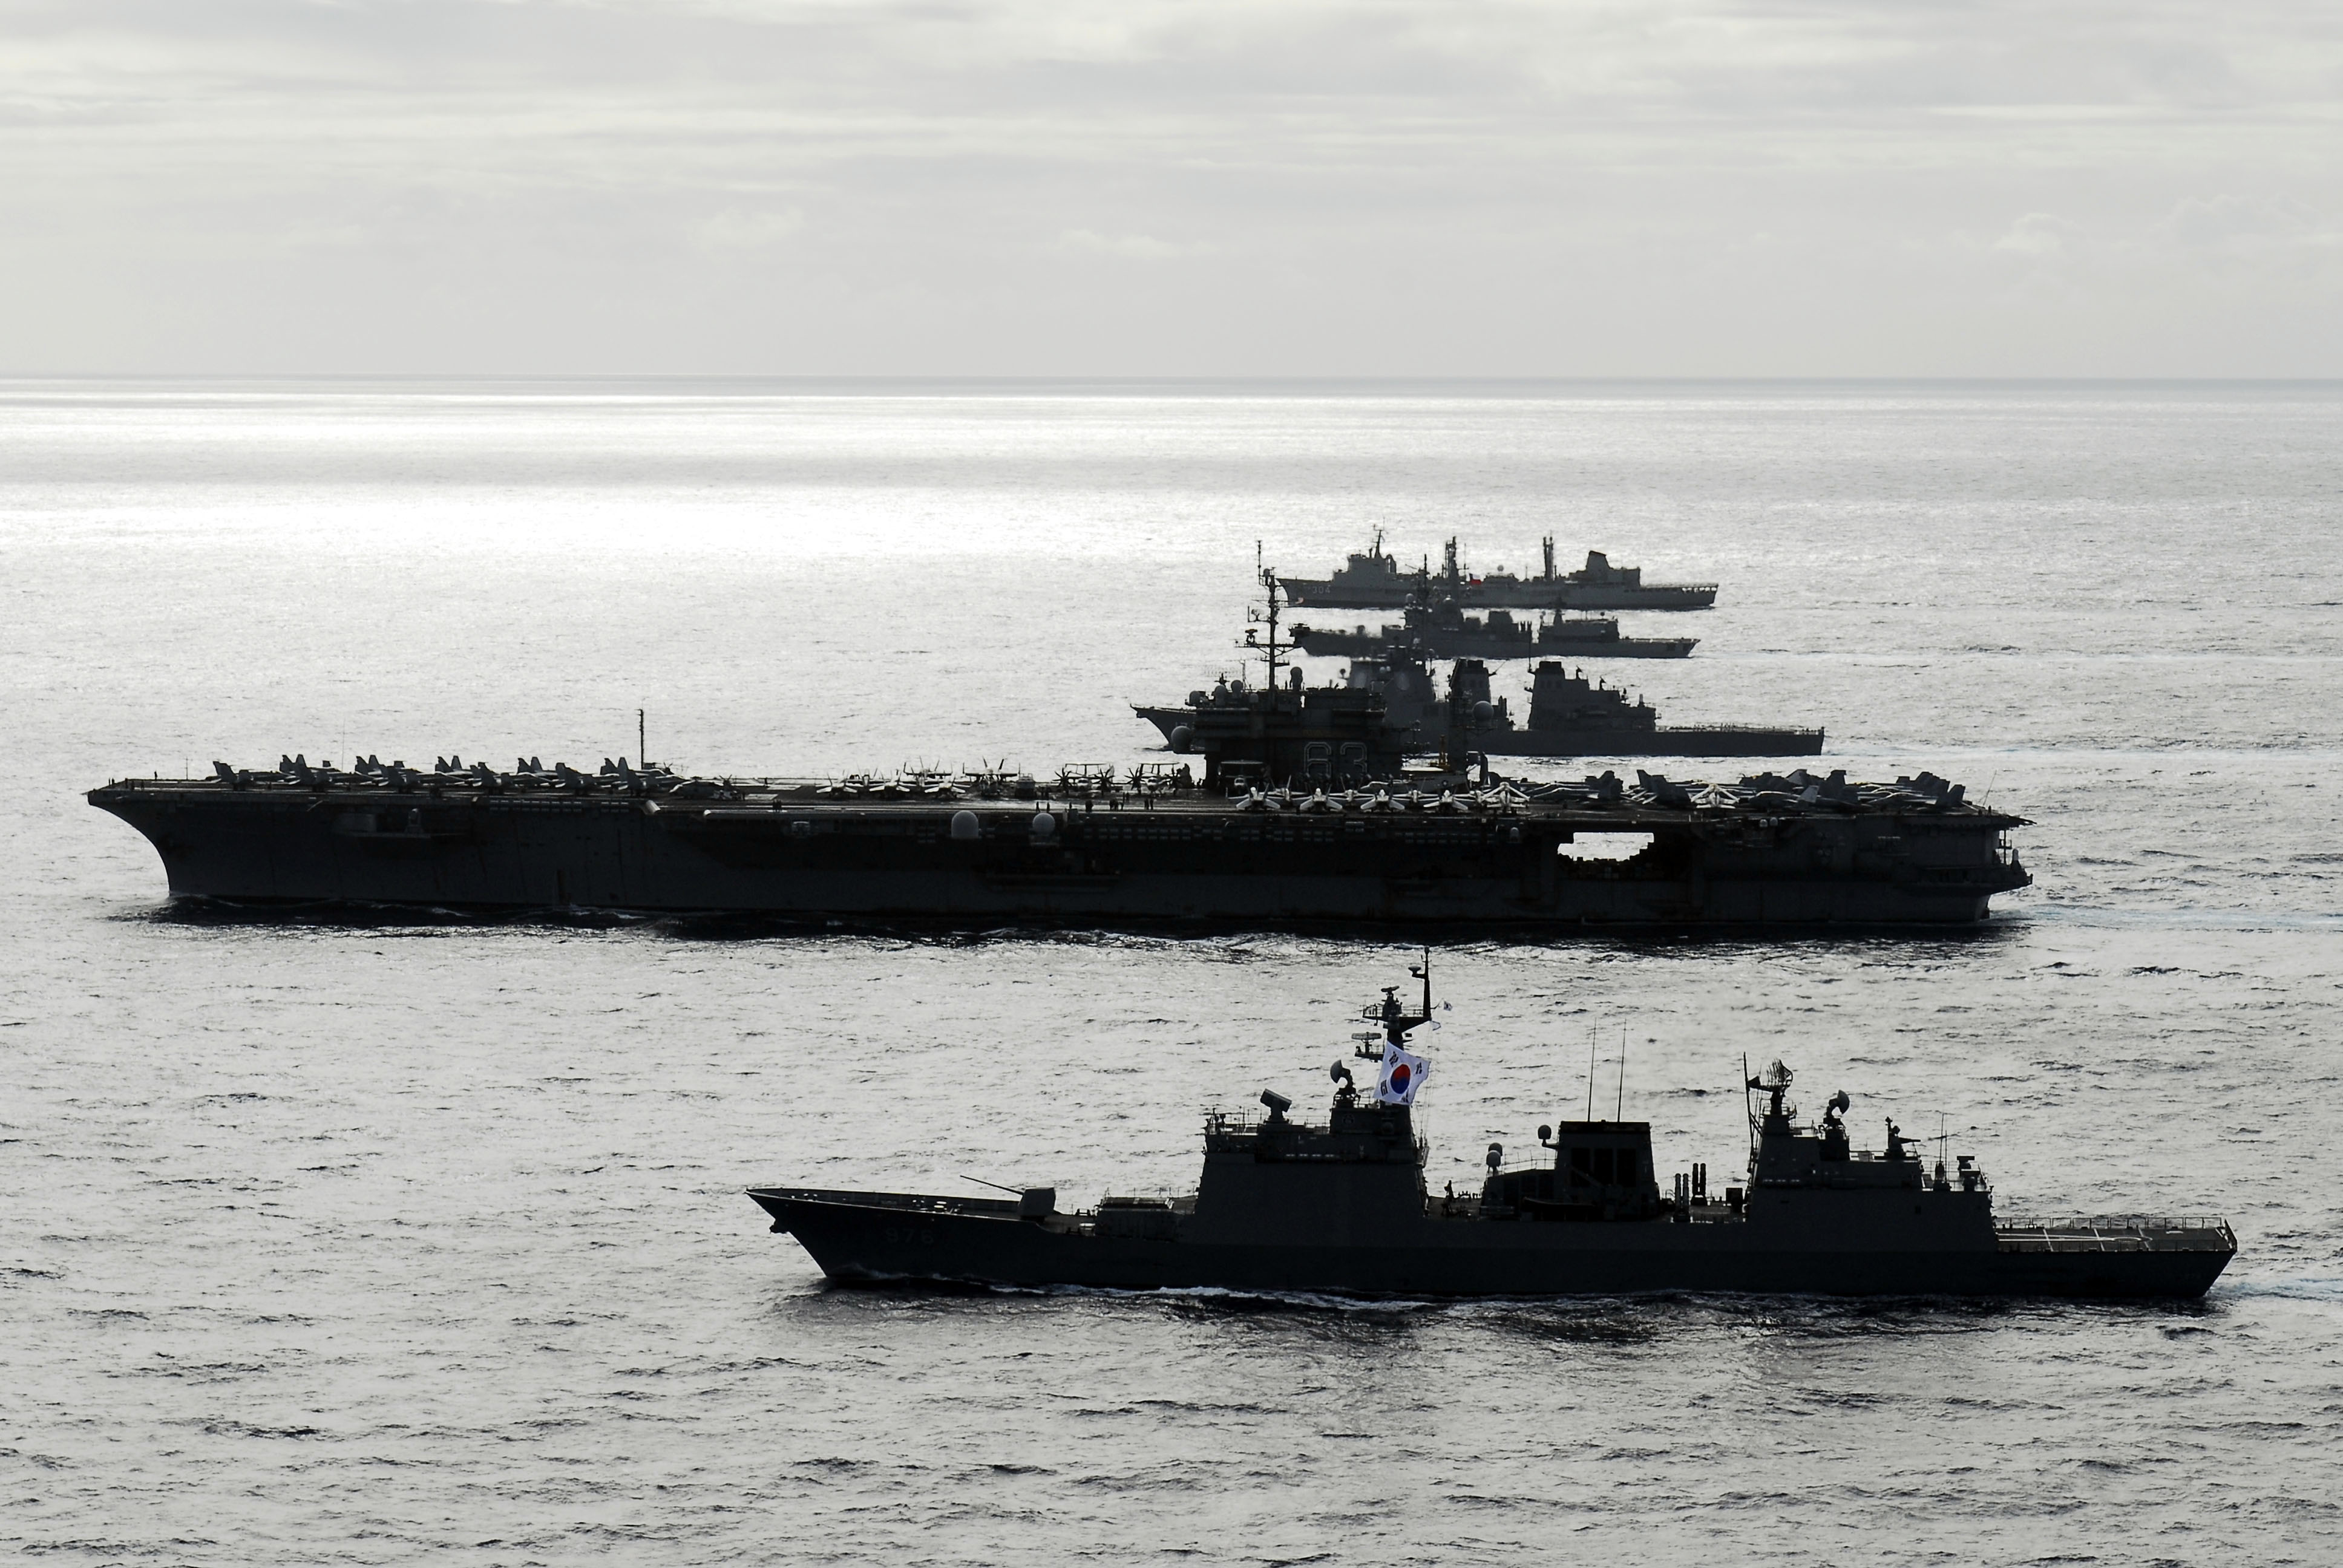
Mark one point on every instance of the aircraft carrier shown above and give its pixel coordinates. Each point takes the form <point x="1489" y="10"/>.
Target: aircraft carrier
<point x="1348" y="840"/>
<point x="1305" y="814"/>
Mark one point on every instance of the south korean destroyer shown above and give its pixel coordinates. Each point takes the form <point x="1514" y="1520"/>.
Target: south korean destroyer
<point x="1342" y="1207"/>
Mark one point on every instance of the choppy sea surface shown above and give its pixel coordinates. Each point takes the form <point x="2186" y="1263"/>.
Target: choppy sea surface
<point x="355" y="1243"/>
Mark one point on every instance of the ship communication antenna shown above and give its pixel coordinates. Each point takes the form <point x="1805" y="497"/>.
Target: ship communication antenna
<point x="1590" y="1075"/>
<point x="642" y="747"/>
<point x="1619" y="1111"/>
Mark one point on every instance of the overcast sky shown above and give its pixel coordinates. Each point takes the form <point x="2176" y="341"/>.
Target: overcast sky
<point x="1274" y="187"/>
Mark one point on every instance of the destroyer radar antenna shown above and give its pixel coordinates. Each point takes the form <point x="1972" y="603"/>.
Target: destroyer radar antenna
<point x="1423" y="972"/>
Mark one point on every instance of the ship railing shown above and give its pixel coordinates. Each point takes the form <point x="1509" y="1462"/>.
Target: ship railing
<point x="2117" y="1233"/>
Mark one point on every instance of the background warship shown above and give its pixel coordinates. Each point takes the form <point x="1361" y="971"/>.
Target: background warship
<point x="1304" y="813"/>
<point x="1342" y="1207"/>
<point x="1373" y="579"/>
<point x="1443" y="630"/>
<point x="1568" y="716"/>
<point x="1571" y="717"/>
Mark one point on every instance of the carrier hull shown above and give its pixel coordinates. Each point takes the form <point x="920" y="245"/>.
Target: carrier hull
<point x="874" y="1238"/>
<point x="791" y="851"/>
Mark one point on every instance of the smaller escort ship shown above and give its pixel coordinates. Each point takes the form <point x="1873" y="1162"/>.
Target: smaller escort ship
<point x="1341" y="1206"/>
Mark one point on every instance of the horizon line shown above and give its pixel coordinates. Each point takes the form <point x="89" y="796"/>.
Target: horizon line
<point x="981" y="380"/>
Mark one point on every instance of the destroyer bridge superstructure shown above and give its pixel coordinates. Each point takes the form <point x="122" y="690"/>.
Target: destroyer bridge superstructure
<point x="1285" y="1204"/>
<point x="1314" y="846"/>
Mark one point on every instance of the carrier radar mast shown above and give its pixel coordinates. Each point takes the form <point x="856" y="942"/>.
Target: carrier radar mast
<point x="1270" y="647"/>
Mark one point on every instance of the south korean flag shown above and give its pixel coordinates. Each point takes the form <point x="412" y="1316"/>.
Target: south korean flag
<point x="1401" y="1076"/>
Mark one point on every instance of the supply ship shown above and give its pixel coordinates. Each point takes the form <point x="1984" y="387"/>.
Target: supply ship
<point x="1373" y="579"/>
<point x="1343" y="1207"/>
<point x="1305" y="813"/>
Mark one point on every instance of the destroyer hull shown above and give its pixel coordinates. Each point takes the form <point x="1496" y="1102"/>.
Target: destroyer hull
<point x="1719" y="742"/>
<point x="1435" y="645"/>
<point x="855" y="1240"/>
<point x="1598" y="595"/>
<point x="1724" y="741"/>
<point x="1197" y="860"/>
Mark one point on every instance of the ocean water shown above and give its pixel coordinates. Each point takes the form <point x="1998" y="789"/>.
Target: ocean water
<point x="331" y="1243"/>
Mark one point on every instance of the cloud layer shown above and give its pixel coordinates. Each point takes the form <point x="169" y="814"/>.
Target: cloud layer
<point x="1172" y="187"/>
